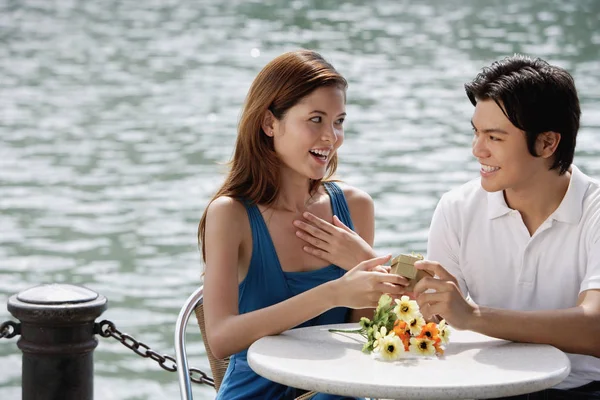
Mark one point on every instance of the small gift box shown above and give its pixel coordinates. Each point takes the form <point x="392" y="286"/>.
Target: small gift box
<point x="403" y="265"/>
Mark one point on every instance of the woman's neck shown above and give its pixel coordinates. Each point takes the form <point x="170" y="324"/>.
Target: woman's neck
<point x="294" y="194"/>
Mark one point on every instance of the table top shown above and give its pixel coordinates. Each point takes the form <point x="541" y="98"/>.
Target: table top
<point x="474" y="366"/>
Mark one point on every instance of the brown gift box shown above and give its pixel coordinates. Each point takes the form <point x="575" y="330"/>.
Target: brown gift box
<point x="403" y="265"/>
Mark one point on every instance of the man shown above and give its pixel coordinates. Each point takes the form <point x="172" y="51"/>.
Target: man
<point x="523" y="241"/>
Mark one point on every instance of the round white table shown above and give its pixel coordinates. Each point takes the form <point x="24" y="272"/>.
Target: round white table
<point x="474" y="366"/>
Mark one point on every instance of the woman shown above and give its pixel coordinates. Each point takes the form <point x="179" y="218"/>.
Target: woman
<point x="258" y="279"/>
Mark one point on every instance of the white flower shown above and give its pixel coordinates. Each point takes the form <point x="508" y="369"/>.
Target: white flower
<point x="384" y="301"/>
<point x="444" y="332"/>
<point x="406" y="309"/>
<point x="416" y="324"/>
<point x="380" y="334"/>
<point x="422" y="346"/>
<point x="391" y="347"/>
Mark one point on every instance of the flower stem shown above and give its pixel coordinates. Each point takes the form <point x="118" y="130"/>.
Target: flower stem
<point x="347" y="330"/>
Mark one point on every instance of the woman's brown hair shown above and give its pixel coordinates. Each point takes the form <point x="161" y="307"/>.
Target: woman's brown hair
<point x="254" y="169"/>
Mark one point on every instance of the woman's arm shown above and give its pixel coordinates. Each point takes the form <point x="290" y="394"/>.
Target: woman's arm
<point x="229" y="332"/>
<point x="362" y="211"/>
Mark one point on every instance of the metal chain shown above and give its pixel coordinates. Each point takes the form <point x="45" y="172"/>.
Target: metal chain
<point x="168" y="363"/>
<point x="9" y="329"/>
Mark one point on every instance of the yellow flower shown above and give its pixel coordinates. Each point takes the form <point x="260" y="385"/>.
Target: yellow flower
<point x="416" y="324"/>
<point x="406" y="309"/>
<point x="380" y="334"/>
<point x="422" y="346"/>
<point x="391" y="347"/>
<point x="444" y="333"/>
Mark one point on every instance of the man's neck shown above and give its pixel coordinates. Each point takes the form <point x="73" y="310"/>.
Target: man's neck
<point x="540" y="199"/>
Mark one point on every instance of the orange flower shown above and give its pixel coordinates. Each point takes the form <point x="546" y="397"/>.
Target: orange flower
<point x="430" y="331"/>
<point x="400" y="327"/>
<point x="402" y="330"/>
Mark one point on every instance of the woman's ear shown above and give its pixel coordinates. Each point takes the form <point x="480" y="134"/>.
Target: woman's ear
<point x="547" y="143"/>
<point x="268" y="123"/>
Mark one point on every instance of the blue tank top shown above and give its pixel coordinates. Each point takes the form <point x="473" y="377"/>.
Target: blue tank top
<point x="267" y="284"/>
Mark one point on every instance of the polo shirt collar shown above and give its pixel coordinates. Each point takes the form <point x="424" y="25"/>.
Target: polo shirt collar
<point x="571" y="207"/>
<point x="497" y="206"/>
<point x="569" y="210"/>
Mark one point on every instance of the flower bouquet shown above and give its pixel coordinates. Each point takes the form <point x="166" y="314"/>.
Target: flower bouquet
<point x="398" y="329"/>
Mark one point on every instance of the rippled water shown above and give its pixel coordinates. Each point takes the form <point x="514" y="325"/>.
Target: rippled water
<point x="116" y="115"/>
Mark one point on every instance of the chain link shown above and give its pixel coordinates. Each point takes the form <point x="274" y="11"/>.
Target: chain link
<point x="9" y="329"/>
<point x="108" y="329"/>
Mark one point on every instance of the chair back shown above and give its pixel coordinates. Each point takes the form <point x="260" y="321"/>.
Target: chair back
<point x="218" y="366"/>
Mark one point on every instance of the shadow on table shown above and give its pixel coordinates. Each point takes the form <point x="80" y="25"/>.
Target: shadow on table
<point x="493" y="353"/>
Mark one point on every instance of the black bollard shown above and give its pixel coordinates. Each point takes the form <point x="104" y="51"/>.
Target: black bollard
<point x="57" y="340"/>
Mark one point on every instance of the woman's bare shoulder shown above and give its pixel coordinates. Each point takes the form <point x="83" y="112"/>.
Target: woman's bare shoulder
<point x="355" y="196"/>
<point x="226" y="210"/>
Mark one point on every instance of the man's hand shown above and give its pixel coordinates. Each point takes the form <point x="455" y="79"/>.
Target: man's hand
<point x="440" y="295"/>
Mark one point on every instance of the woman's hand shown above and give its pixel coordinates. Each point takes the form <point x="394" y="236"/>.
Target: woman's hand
<point x="363" y="285"/>
<point x="334" y="243"/>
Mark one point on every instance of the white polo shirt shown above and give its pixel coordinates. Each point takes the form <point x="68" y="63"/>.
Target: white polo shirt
<point x="487" y="247"/>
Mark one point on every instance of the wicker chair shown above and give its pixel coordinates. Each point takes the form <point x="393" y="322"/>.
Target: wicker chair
<point x="217" y="366"/>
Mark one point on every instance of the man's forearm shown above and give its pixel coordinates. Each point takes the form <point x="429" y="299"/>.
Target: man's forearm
<point x="571" y="330"/>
